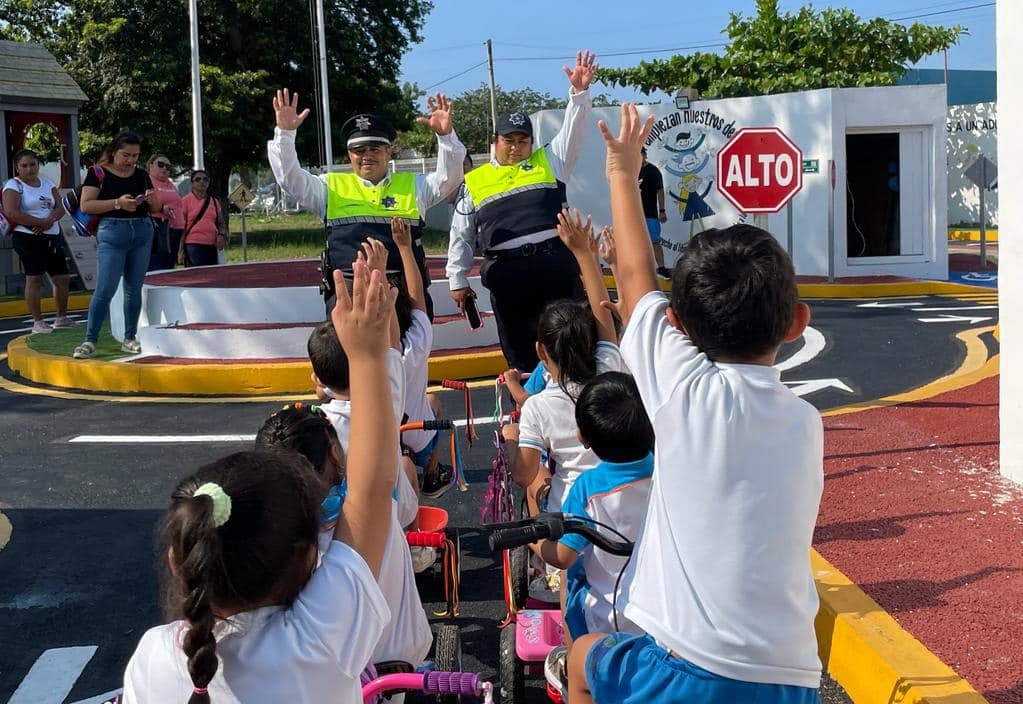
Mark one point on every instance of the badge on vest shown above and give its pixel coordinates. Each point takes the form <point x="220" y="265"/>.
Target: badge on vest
<point x="527" y="167"/>
<point x="388" y="202"/>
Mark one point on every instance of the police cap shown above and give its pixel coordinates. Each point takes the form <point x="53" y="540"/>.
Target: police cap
<point x="366" y="128"/>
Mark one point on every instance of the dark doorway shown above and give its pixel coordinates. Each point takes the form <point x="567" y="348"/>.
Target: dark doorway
<point x="872" y="195"/>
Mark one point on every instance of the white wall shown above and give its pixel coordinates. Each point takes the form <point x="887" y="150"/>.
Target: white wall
<point x="972" y="130"/>
<point x="816" y="121"/>
<point x="1009" y="25"/>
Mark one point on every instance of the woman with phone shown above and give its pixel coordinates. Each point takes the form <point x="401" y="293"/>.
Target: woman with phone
<point x="123" y="195"/>
<point x="205" y="231"/>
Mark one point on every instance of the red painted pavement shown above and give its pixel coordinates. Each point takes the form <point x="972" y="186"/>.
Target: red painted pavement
<point x="303" y="272"/>
<point x="915" y="513"/>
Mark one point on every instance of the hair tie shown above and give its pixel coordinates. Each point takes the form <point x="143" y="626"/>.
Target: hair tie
<point x="221" y="502"/>
<point x="199" y="690"/>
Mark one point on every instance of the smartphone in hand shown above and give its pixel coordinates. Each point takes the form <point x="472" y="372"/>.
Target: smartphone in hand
<point x="140" y="198"/>
<point x="472" y="313"/>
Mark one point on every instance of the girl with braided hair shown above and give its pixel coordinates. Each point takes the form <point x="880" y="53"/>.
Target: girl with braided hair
<point x="256" y="618"/>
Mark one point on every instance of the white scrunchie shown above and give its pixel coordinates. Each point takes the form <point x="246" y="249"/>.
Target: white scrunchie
<point x="221" y="502"/>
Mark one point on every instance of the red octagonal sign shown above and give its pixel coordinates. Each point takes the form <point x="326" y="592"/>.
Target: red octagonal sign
<point x="760" y="170"/>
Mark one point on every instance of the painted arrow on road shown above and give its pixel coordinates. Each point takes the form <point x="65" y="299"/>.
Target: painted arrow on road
<point x="806" y="387"/>
<point x="928" y="310"/>
<point x="954" y="319"/>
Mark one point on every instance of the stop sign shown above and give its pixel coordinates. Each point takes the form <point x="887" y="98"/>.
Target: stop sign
<point x="760" y="170"/>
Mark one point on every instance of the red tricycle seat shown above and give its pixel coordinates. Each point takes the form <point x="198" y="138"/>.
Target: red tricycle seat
<point x="432" y="519"/>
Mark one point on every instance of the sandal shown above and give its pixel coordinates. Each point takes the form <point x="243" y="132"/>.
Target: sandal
<point x="84" y="350"/>
<point x="131" y="346"/>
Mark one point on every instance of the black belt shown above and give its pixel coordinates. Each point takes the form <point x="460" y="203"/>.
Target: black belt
<point x="527" y="250"/>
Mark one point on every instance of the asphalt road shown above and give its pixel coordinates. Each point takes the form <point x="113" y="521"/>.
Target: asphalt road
<point x="79" y="569"/>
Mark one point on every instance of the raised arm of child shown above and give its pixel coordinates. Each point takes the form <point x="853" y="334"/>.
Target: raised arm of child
<point x="374" y="253"/>
<point x="635" y="274"/>
<point x="578" y="237"/>
<point x="401" y="232"/>
<point x="361" y="321"/>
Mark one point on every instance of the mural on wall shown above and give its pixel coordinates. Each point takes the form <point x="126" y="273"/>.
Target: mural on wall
<point x="972" y="131"/>
<point x="684" y="145"/>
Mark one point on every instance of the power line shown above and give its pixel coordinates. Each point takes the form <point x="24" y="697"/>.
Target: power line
<point x="944" y="12"/>
<point x="460" y="73"/>
<point x="633" y="52"/>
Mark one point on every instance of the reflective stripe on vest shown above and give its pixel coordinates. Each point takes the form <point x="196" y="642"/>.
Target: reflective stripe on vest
<point x="517" y="199"/>
<point x="356" y="211"/>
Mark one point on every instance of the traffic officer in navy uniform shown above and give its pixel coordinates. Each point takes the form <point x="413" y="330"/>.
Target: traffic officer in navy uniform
<point x="510" y="206"/>
<point x="360" y="204"/>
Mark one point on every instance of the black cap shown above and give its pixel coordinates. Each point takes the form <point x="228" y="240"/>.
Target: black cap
<point x="514" y="122"/>
<point x="366" y="128"/>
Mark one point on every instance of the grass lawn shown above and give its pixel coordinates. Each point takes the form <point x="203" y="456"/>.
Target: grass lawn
<point x="62" y="342"/>
<point x="298" y="236"/>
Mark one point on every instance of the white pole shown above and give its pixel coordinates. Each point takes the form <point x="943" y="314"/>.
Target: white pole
<point x="493" y="96"/>
<point x="321" y="30"/>
<point x="1008" y="26"/>
<point x="198" y="161"/>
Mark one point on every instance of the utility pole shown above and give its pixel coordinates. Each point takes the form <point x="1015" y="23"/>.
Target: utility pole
<point x="493" y="87"/>
<point x="198" y="161"/>
<point x="324" y="91"/>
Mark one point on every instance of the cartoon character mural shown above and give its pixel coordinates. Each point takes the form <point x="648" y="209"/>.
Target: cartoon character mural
<point x="692" y="204"/>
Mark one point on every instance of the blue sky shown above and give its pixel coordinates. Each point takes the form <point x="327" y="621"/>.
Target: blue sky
<point x="533" y="39"/>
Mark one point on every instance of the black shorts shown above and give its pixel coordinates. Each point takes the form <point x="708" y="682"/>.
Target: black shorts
<point x="40" y="254"/>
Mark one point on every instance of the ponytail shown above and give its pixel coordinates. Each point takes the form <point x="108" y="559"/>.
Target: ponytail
<point x="568" y="331"/>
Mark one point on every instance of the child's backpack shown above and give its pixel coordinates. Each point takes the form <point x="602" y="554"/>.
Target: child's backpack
<point x="85" y="224"/>
<point x="6" y="224"/>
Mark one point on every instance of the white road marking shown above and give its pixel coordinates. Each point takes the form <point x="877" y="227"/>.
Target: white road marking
<point x="806" y="387"/>
<point x="53" y="675"/>
<point x="100" y="698"/>
<point x="144" y="439"/>
<point x="941" y="308"/>
<point x="879" y="304"/>
<point x="953" y="319"/>
<point x="813" y="345"/>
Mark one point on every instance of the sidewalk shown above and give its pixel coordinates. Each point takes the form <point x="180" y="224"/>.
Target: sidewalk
<point x="916" y="514"/>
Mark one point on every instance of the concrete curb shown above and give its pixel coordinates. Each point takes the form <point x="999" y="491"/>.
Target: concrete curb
<point x="76" y="301"/>
<point x="208" y="379"/>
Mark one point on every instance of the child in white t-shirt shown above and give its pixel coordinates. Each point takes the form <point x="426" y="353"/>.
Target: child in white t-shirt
<point x="575" y="343"/>
<point x="256" y="621"/>
<point x="738" y="471"/>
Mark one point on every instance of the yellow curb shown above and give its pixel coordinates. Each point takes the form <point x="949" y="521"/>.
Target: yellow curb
<point x="239" y="379"/>
<point x="865" y="290"/>
<point x="5" y="531"/>
<point x="76" y="301"/>
<point x="867" y="652"/>
<point x="972" y="235"/>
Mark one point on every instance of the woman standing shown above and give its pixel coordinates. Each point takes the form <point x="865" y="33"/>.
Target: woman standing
<point x="169" y="224"/>
<point x="124" y="195"/>
<point x="205" y="231"/>
<point x="33" y="204"/>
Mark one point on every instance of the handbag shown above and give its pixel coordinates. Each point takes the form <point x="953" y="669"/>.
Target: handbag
<point x="85" y="224"/>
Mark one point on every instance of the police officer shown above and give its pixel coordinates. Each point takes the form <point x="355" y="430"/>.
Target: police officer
<point x="360" y="204"/>
<point x="511" y="205"/>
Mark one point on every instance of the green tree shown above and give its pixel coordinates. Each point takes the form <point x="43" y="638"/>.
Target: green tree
<point x="773" y="52"/>
<point x="132" y="58"/>
<point x="472" y="111"/>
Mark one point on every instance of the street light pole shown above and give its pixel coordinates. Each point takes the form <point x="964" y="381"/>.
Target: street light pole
<point x="198" y="160"/>
<point x="324" y="90"/>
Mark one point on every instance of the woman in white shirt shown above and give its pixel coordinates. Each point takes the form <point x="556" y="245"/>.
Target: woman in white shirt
<point x="32" y="203"/>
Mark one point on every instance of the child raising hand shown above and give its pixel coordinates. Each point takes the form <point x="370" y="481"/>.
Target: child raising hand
<point x="255" y="621"/>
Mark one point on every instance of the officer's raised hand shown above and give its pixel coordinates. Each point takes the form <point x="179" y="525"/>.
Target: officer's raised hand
<point x="582" y="75"/>
<point x="439" y="119"/>
<point x="286" y="110"/>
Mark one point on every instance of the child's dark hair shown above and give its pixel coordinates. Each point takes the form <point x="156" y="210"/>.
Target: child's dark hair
<point x="402" y="304"/>
<point x="734" y="291"/>
<point x="239" y="533"/>
<point x="568" y="331"/>
<point x="612" y="420"/>
<point x="302" y="429"/>
<point x="330" y="363"/>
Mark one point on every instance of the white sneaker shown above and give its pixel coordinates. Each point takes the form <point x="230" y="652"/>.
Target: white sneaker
<point x="554" y="669"/>
<point x="41" y="327"/>
<point x="62" y="321"/>
<point x="422" y="558"/>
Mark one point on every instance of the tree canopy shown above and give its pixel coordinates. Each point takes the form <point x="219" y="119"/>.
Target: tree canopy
<point x="132" y="58"/>
<point x="774" y="52"/>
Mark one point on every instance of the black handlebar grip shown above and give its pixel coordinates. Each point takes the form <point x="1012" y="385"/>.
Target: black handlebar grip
<point x="505" y="538"/>
<point x="438" y="424"/>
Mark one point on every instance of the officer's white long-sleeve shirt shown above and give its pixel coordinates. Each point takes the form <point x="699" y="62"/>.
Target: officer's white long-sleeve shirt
<point x="562" y="155"/>
<point x="311" y="191"/>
